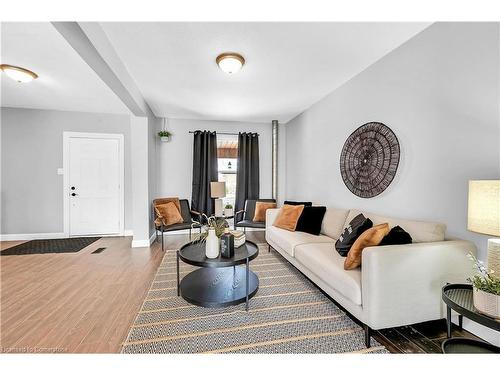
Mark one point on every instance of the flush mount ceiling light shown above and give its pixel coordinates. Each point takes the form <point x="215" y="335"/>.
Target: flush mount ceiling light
<point x="18" y="74"/>
<point x="230" y="62"/>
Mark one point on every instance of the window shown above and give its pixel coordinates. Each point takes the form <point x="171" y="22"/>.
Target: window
<point x="227" y="154"/>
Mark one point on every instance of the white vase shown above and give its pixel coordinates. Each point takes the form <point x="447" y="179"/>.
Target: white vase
<point x="212" y="245"/>
<point x="228" y="212"/>
<point x="486" y="303"/>
<point x="165" y="139"/>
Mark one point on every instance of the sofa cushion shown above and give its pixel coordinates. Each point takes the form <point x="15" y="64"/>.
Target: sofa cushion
<point x="333" y="222"/>
<point x="288" y="217"/>
<point x="353" y="230"/>
<point x="420" y="231"/>
<point x="396" y="236"/>
<point x="296" y="203"/>
<point x="288" y="241"/>
<point x="322" y="260"/>
<point x="370" y="237"/>
<point x="311" y="219"/>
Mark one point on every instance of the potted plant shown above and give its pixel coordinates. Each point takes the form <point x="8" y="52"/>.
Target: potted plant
<point x="164" y="135"/>
<point x="228" y="210"/>
<point x="212" y="230"/>
<point x="485" y="289"/>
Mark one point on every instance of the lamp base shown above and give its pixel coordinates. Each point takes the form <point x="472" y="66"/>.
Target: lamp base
<point x="219" y="212"/>
<point x="494" y="256"/>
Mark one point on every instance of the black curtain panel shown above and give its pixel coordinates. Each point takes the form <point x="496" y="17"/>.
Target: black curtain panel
<point x="204" y="171"/>
<point x="247" y="179"/>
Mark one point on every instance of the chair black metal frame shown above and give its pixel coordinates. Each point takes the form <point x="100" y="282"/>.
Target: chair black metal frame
<point x="244" y="218"/>
<point x="188" y="216"/>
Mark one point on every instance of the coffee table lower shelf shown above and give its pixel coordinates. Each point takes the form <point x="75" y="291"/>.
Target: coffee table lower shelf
<point x="218" y="287"/>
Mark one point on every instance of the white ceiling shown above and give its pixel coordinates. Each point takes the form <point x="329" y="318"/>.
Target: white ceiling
<point x="65" y="81"/>
<point x="289" y="66"/>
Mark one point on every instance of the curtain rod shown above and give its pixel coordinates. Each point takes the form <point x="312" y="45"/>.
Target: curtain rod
<point x="224" y="133"/>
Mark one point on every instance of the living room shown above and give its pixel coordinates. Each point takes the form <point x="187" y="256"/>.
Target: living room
<point x="251" y="187"/>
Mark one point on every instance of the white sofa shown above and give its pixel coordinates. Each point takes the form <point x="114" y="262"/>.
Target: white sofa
<point x="396" y="285"/>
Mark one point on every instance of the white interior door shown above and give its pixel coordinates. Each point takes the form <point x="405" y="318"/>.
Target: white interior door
<point x="94" y="186"/>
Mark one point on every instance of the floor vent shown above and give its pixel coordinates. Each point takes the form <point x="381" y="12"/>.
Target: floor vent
<point x="99" y="250"/>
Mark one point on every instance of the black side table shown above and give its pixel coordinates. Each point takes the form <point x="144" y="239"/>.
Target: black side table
<point x="219" y="282"/>
<point x="458" y="297"/>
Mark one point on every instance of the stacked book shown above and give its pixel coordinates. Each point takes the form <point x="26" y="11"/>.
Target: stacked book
<point x="239" y="238"/>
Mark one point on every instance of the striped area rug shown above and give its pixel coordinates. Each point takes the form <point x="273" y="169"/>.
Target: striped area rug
<point x="287" y="315"/>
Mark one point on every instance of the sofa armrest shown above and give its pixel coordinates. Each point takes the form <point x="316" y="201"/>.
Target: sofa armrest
<point x="271" y="215"/>
<point x="401" y="284"/>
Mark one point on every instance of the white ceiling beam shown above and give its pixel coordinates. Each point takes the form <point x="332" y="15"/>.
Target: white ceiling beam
<point x="90" y="41"/>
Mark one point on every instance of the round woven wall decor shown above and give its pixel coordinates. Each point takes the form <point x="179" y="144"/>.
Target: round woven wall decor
<point x="369" y="159"/>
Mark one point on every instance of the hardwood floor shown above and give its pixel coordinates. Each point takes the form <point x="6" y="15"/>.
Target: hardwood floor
<point x="77" y="302"/>
<point x="85" y="303"/>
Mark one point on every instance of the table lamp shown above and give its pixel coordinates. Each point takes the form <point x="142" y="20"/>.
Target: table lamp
<point x="217" y="191"/>
<point x="484" y="216"/>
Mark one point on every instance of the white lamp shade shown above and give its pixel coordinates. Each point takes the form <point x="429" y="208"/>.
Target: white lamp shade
<point x="484" y="207"/>
<point x="217" y="189"/>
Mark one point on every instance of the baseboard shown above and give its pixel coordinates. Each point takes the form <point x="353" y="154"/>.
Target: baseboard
<point x="481" y="331"/>
<point x="140" y="243"/>
<point x="144" y="243"/>
<point x="31" y="236"/>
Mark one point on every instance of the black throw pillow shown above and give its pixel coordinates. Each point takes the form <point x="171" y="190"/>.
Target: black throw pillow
<point x="397" y="236"/>
<point x="357" y="226"/>
<point x="311" y="219"/>
<point x="293" y="203"/>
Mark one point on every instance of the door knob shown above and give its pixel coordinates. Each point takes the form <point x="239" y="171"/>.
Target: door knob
<point x="73" y="188"/>
<point x="73" y="194"/>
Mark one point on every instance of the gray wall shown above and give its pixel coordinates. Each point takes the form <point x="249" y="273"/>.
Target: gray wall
<point x="439" y="92"/>
<point x="176" y="156"/>
<point x="32" y="150"/>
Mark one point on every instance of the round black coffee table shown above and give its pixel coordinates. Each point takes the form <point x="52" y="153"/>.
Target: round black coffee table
<point x="219" y="282"/>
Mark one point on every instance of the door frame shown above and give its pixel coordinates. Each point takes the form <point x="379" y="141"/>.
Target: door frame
<point x="121" y="159"/>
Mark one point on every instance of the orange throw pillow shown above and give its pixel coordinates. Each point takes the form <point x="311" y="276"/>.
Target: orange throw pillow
<point x="168" y="213"/>
<point x="288" y="217"/>
<point x="176" y="201"/>
<point x="260" y="210"/>
<point x="370" y="237"/>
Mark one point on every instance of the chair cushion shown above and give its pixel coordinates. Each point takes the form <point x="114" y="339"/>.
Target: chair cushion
<point x="250" y="207"/>
<point x="169" y="213"/>
<point x="420" y="231"/>
<point x="288" y="217"/>
<point x="288" y="241"/>
<point x="176" y="201"/>
<point x="179" y="226"/>
<point x="260" y="210"/>
<point x="250" y="224"/>
<point x="370" y="237"/>
<point x="322" y="260"/>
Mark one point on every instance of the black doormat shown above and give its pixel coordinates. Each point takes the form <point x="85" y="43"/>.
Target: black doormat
<point x="61" y="245"/>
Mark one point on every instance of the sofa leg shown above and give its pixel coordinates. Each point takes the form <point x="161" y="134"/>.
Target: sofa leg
<point x="268" y="248"/>
<point x="189" y="234"/>
<point x="367" y="335"/>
